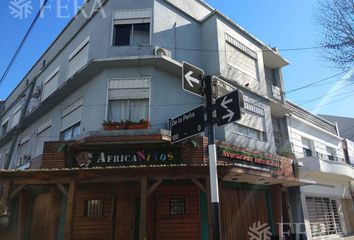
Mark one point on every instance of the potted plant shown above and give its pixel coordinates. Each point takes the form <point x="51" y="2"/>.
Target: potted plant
<point x="113" y="125"/>
<point x="142" y="124"/>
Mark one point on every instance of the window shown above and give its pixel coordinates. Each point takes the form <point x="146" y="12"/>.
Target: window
<point x="241" y="57"/>
<point x="128" y="99"/>
<point x="306" y="147"/>
<point x="70" y="133"/>
<point x="43" y="135"/>
<point x="24" y="150"/>
<point x="4" y="128"/>
<point x="93" y="208"/>
<point x="79" y="57"/>
<point x="250" y="132"/>
<point x="323" y="216"/>
<point x="131" y="109"/>
<point x="131" y="34"/>
<point x="50" y="84"/>
<point x="70" y="120"/>
<point x="16" y="116"/>
<point x="177" y="206"/>
<point x="132" y="27"/>
<point x="331" y="154"/>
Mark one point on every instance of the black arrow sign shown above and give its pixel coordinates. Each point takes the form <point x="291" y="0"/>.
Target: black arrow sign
<point x="192" y="79"/>
<point x="229" y="108"/>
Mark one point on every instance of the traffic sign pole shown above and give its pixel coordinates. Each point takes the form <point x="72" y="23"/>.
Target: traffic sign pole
<point x="214" y="186"/>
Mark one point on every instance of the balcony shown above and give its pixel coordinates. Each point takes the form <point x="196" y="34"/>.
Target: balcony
<point x="321" y="165"/>
<point x="276" y="93"/>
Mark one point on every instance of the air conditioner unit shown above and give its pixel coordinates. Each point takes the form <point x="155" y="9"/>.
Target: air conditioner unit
<point x="158" y="51"/>
<point x="37" y="91"/>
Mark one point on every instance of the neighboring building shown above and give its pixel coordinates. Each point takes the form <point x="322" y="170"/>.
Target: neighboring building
<point x="346" y="130"/>
<point x="328" y="209"/>
<point x="132" y="183"/>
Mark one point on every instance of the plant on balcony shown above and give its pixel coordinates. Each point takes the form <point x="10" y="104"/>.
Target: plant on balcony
<point x="142" y="124"/>
<point x="113" y="125"/>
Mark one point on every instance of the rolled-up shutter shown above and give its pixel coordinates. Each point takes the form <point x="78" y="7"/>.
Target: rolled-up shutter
<point x="71" y="115"/>
<point x="132" y="16"/>
<point x="79" y="57"/>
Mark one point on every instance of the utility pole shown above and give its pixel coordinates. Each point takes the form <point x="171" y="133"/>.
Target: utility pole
<point x="213" y="172"/>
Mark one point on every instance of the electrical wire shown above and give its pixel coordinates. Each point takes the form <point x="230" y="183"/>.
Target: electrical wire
<point x="19" y="48"/>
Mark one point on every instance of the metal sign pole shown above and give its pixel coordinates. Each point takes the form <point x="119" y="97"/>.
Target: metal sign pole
<point x="214" y="187"/>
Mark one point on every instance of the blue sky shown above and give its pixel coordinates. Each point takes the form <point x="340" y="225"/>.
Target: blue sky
<point x="286" y="24"/>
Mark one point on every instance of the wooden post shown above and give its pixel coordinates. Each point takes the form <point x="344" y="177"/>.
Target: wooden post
<point x="70" y="206"/>
<point x="5" y="193"/>
<point x="23" y="213"/>
<point x="143" y="208"/>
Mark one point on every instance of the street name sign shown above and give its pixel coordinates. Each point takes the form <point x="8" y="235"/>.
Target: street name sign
<point x="192" y="79"/>
<point x="187" y="125"/>
<point x="229" y="108"/>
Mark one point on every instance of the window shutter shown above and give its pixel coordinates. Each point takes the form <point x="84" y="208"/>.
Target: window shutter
<point x="42" y="137"/>
<point x="71" y="115"/>
<point x="132" y="16"/>
<point x="79" y="57"/>
<point x="16" y="117"/>
<point x="241" y="61"/>
<point x="251" y="121"/>
<point x="50" y="84"/>
<point x="120" y="89"/>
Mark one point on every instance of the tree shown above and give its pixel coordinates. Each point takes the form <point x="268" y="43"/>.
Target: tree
<point x="336" y="18"/>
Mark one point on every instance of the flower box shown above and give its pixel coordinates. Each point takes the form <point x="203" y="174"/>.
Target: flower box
<point x="144" y="125"/>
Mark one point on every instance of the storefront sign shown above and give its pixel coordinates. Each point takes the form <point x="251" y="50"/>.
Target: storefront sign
<point x="126" y="157"/>
<point x="249" y="159"/>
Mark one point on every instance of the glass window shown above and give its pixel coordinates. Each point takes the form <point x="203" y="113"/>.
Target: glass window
<point x="177" y="206"/>
<point x="331" y="153"/>
<point x="128" y="109"/>
<point x="131" y="34"/>
<point x="306" y="147"/>
<point x="70" y="132"/>
<point x="93" y="208"/>
<point x="250" y="132"/>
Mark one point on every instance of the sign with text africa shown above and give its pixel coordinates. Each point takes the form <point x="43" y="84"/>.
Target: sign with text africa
<point x="125" y="157"/>
<point x="187" y="125"/>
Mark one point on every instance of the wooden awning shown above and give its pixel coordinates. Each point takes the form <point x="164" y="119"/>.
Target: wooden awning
<point x="52" y="176"/>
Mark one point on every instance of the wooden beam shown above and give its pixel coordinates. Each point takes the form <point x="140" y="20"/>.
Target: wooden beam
<point x="5" y="193"/>
<point x="17" y="190"/>
<point x="199" y="185"/>
<point x="24" y="207"/>
<point x="143" y="209"/>
<point x="70" y="206"/>
<point x="154" y="186"/>
<point x="62" y="189"/>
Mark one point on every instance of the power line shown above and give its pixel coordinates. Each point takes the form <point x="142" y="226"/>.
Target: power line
<point x="19" y="48"/>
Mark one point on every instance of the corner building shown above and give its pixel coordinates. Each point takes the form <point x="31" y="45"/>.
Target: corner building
<point x="85" y="142"/>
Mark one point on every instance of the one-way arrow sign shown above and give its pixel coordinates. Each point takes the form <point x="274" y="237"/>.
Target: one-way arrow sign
<point x="192" y="79"/>
<point x="229" y="108"/>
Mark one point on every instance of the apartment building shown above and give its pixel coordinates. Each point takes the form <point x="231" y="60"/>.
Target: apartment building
<point x="327" y="202"/>
<point x="85" y="135"/>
